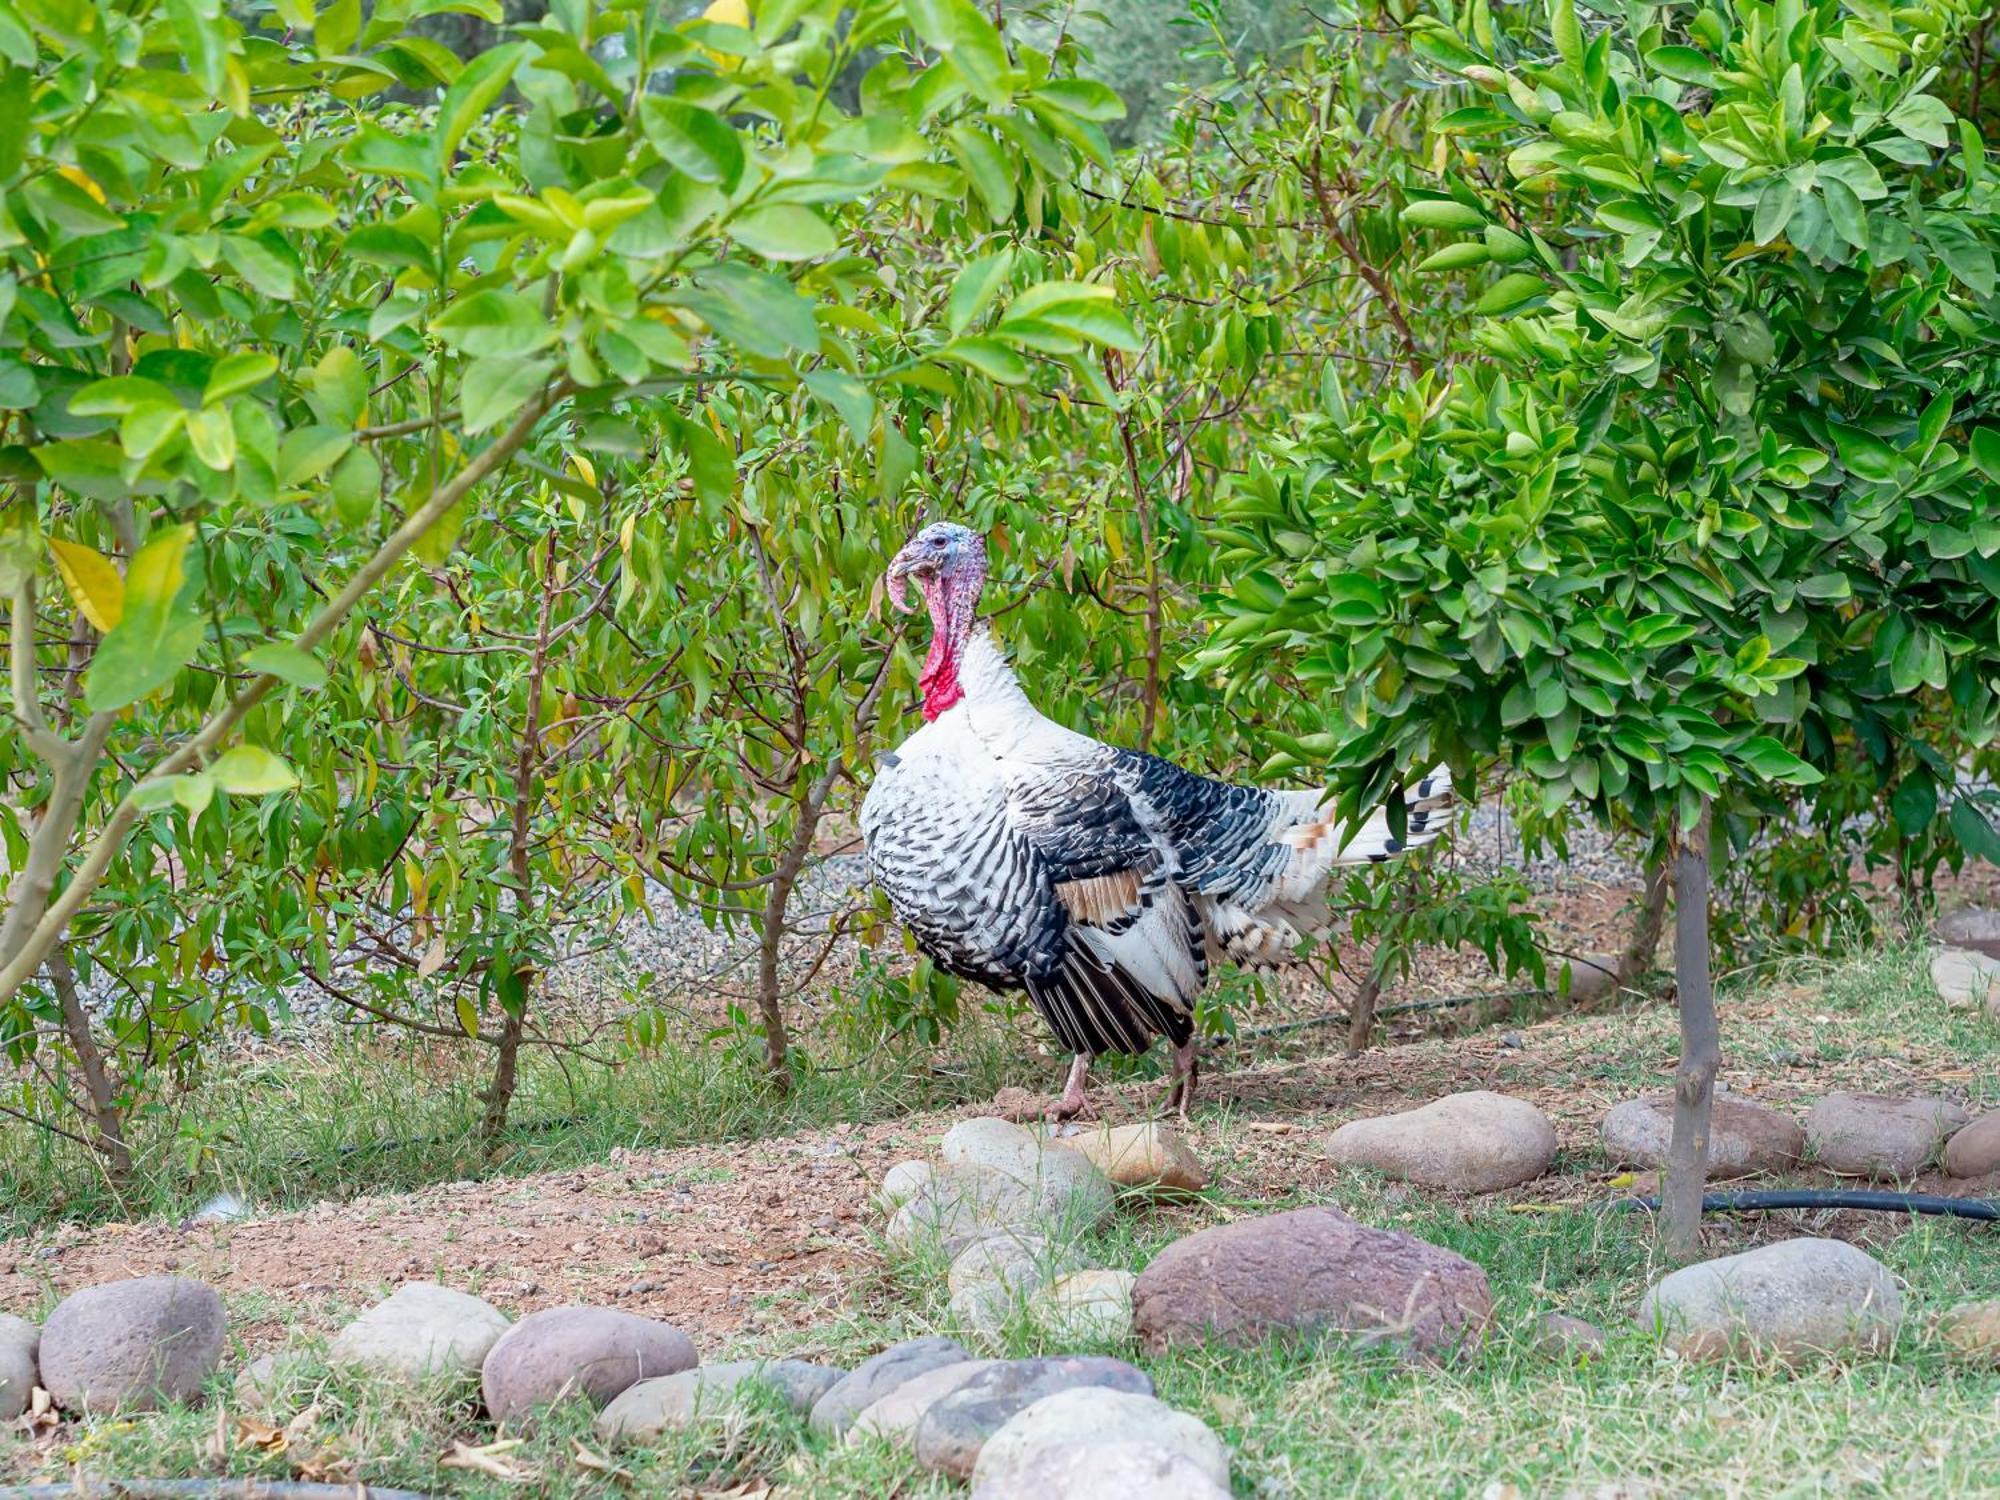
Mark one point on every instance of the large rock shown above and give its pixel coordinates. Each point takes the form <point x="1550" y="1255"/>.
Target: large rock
<point x="1878" y="1135"/>
<point x="1149" y="1155"/>
<point x="1974" y="1150"/>
<point x="956" y="1427"/>
<point x="588" y="1352"/>
<point x="1477" y="1142"/>
<point x="903" y="1182"/>
<point x="1964" y="977"/>
<point x="1743" y="1139"/>
<point x="19" y="1340"/>
<point x="1786" y="1301"/>
<point x="424" y="1330"/>
<point x="992" y="1278"/>
<point x="1308" y="1271"/>
<point x="1066" y="1185"/>
<point x="1104" y="1471"/>
<point x="1973" y="1330"/>
<point x="964" y="1201"/>
<point x="132" y="1345"/>
<point x="1094" y="1417"/>
<point x="1974" y="929"/>
<point x="1094" y="1305"/>
<point x="872" y="1379"/>
<point x="894" y="1417"/>
<point x="671" y="1402"/>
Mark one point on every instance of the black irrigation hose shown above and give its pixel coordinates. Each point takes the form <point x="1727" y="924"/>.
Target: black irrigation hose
<point x="202" y="1489"/>
<point x="1897" y="1203"/>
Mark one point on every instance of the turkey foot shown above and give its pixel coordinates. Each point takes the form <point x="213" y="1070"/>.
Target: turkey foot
<point x="1187" y="1068"/>
<point x="1075" y="1103"/>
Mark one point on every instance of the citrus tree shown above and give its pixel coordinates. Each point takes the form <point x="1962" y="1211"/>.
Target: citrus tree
<point x="1709" y="511"/>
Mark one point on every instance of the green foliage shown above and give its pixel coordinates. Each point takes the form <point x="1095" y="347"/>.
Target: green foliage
<point x="1702" y="513"/>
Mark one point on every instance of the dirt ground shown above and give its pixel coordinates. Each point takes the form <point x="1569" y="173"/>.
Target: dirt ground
<point x="745" y="1240"/>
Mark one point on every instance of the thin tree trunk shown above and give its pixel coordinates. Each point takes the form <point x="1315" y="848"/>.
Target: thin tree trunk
<point x="107" y="1117"/>
<point x="527" y="779"/>
<point x="1361" y="1015"/>
<point x="1637" y="958"/>
<point x="1701" y="1048"/>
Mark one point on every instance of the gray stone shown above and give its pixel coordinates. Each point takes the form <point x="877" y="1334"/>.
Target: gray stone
<point x="965" y="1201"/>
<point x="999" y="1144"/>
<point x="1476" y="1142"/>
<point x="19" y="1341"/>
<point x="1559" y="1336"/>
<point x="424" y="1330"/>
<point x="672" y="1402"/>
<point x="1744" y="1138"/>
<point x="992" y="1278"/>
<point x="1974" y="929"/>
<point x="1093" y="1305"/>
<point x="1879" y="1136"/>
<point x="1093" y="1417"/>
<point x="1104" y="1471"/>
<point x="132" y="1345"/>
<point x="1974" y="1150"/>
<point x="588" y="1352"/>
<point x="894" y="1417"/>
<point x="957" y="1426"/>
<point x="1787" y="1301"/>
<point x="1972" y="1329"/>
<point x="903" y="1182"/>
<point x="871" y="1380"/>
<point x="1308" y="1271"/>
<point x="1966" y="977"/>
<point x="261" y="1384"/>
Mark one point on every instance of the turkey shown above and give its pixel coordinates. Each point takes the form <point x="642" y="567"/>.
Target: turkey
<point x="1103" y="882"/>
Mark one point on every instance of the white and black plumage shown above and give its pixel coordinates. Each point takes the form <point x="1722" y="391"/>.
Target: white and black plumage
<point x="1102" y="882"/>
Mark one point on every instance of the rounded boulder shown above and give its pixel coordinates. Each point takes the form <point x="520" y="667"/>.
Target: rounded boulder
<point x="1879" y="1136"/>
<point x="1306" y="1272"/>
<point x="1476" y="1142"/>
<point x="672" y="1402"/>
<point x="1093" y="1418"/>
<point x="1974" y="1150"/>
<point x="1104" y="1471"/>
<point x="132" y="1345"/>
<point x="20" y="1341"/>
<point x="1789" y="1302"/>
<point x="422" y="1331"/>
<point x="588" y="1352"/>
<point x="953" y="1429"/>
<point x="1744" y="1138"/>
<point x="834" y="1412"/>
<point x="1149" y="1156"/>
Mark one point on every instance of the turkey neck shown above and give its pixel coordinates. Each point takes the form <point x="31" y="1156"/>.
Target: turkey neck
<point x="953" y="600"/>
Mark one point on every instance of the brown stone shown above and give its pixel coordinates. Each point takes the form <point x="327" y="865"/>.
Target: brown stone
<point x="1974" y="1150"/>
<point x="1973" y="1330"/>
<point x="1878" y="1135"/>
<point x="1148" y="1155"/>
<point x="1475" y="1142"/>
<point x="1744" y="1138"/>
<point x="589" y="1352"/>
<point x="1309" y="1271"/>
<point x="1559" y="1336"/>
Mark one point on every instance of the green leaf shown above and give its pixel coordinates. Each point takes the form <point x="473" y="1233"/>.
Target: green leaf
<point x="1516" y="289"/>
<point x="1974" y="832"/>
<point x="495" y="388"/>
<point x="756" y="311"/>
<point x="1682" y="64"/>
<point x="1442" y="213"/>
<point x="1850" y="219"/>
<point x="252" y="772"/>
<point x="1865" y="455"/>
<point x="1775" y="206"/>
<point x="1985" y="446"/>
<point x="987" y="168"/>
<point x="1913" y="804"/>
<point x="784" y="231"/>
<point x="1773" y="762"/>
<point x="1085" y="98"/>
<point x="847" y="396"/>
<point x="696" y="141"/>
<point x="494" y="324"/>
<point x="1924" y="117"/>
<point x="479" y="83"/>
<point x="959" y="30"/>
<point x="157" y="634"/>
<point x="287" y="663"/>
<point x="19" y="389"/>
<point x="1455" y="257"/>
<point x="993" y="360"/>
<point x="1565" y="33"/>
<point x="236" y="373"/>
<point x="975" y="287"/>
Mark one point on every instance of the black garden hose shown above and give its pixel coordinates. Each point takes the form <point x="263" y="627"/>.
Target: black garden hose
<point x="1896" y="1203"/>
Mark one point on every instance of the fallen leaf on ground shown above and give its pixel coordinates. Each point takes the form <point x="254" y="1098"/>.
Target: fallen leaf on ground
<point x="490" y="1460"/>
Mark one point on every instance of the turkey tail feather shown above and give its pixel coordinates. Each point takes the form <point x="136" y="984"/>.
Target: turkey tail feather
<point x="1094" y="1007"/>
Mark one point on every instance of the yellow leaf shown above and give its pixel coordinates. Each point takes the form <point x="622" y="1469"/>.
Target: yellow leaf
<point x="83" y="180"/>
<point x="728" y="12"/>
<point x="93" y="583"/>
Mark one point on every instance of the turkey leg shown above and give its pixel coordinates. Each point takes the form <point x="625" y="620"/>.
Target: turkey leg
<point x="1187" y="1067"/>
<point x="1074" y="1101"/>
